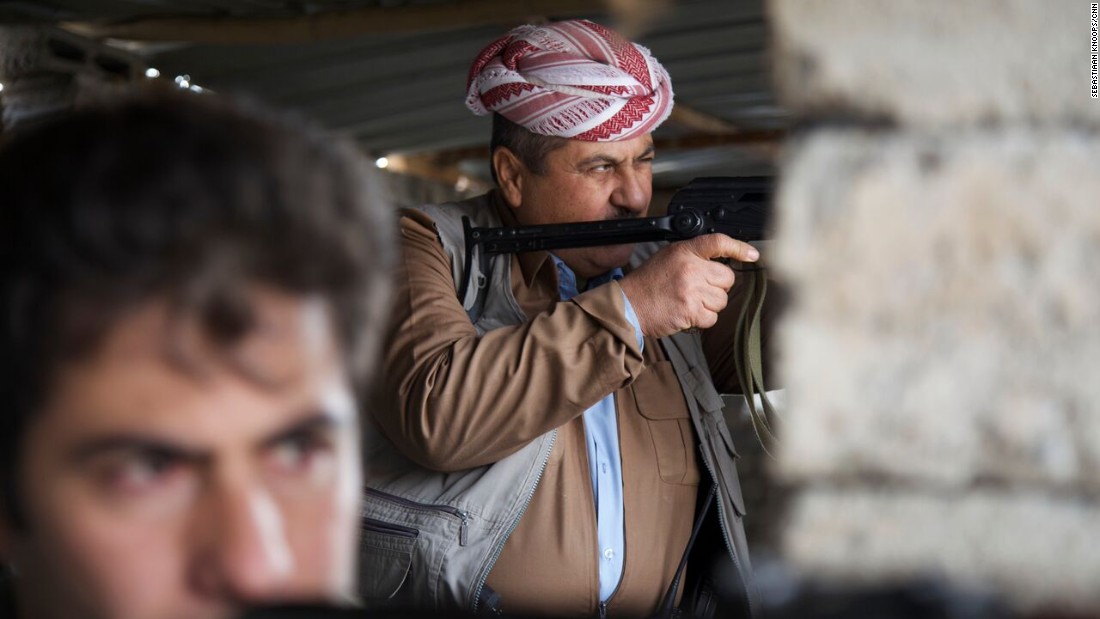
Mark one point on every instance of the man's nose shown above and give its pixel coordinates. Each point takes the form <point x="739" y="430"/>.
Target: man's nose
<point x="632" y="191"/>
<point x="245" y="554"/>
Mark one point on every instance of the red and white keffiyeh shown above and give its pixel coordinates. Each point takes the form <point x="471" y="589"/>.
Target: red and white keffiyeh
<point x="573" y="79"/>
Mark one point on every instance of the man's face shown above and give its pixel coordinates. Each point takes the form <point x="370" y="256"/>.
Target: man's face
<point x="589" y="181"/>
<point x="157" y="489"/>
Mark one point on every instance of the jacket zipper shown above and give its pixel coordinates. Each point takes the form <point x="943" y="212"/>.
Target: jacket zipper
<point x="461" y="514"/>
<point x="515" y="523"/>
<point x="388" y="528"/>
<point x="604" y="604"/>
<point x="726" y="538"/>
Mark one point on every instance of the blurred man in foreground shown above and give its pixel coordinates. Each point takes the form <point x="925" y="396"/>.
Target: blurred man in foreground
<point x="192" y="297"/>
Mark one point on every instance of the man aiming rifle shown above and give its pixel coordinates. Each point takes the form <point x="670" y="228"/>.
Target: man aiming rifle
<point x="551" y="435"/>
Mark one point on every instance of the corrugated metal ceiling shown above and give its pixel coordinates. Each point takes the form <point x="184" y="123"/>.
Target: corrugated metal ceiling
<point x="403" y="92"/>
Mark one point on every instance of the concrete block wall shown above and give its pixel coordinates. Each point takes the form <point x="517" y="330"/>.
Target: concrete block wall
<point x="939" y="219"/>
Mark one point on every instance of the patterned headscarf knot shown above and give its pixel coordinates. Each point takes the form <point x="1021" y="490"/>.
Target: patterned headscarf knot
<point x="573" y="79"/>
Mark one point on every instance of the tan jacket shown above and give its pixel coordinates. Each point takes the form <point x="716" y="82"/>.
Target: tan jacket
<point x="458" y="402"/>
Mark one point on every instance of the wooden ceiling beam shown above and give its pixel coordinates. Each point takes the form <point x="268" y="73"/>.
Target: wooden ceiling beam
<point x="335" y="24"/>
<point x="426" y="166"/>
<point x="707" y="126"/>
<point x="687" y="117"/>
<point x="762" y="141"/>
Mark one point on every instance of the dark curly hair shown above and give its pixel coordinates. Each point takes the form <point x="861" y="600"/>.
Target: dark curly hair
<point x="180" y="197"/>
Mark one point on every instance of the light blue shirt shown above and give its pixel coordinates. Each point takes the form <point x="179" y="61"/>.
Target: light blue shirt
<point x="605" y="464"/>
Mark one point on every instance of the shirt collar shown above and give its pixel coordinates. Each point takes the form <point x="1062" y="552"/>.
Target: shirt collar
<point x="567" y="280"/>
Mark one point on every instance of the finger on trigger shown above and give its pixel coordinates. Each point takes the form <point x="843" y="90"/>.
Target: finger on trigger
<point x="744" y="252"/>
<point x="721" y="246"/>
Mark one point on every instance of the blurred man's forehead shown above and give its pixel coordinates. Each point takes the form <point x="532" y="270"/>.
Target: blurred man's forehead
<point x="284" y="334"/>
<point x="157" y="369"/>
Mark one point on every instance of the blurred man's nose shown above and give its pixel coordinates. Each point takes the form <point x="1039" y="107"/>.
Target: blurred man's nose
<point x="245" y="555"/>
<point x="632" y="191"/>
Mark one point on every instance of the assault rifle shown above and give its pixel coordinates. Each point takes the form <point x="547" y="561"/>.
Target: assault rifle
<point x="735" y="206"/>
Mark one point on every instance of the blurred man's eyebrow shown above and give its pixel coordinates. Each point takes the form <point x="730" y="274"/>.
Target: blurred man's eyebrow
<point x="317" y="421"/>
<point x="133" y="442"/>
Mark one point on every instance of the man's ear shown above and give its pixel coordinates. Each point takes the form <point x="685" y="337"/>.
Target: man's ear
<point x="510" y="174"/>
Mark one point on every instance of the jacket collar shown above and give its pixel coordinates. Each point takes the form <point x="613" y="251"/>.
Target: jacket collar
<point x="530" y="262"/>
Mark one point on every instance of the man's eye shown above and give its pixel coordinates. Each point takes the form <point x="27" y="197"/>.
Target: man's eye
<point x="141" y="472"/>
<point x="299" y="452"/>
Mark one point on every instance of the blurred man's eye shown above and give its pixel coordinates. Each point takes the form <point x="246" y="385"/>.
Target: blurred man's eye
<point x="141" y="471"/>
<point x="301" y="451"/>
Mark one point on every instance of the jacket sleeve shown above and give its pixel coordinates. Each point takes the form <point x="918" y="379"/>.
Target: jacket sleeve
<point x="454" y="400"/>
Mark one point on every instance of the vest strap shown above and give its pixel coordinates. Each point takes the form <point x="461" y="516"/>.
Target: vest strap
<point x="748" y="359"/>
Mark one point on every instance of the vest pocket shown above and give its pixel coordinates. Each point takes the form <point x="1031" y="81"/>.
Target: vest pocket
<point x="385" y="558"/>
<point x="660" y="400"/>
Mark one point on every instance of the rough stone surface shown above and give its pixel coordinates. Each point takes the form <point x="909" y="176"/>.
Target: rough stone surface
<point x="1038" y="552"/>
<point x="940" y="228"/>
<point x="946" y="329"/>
<point x="939" y="62"/>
